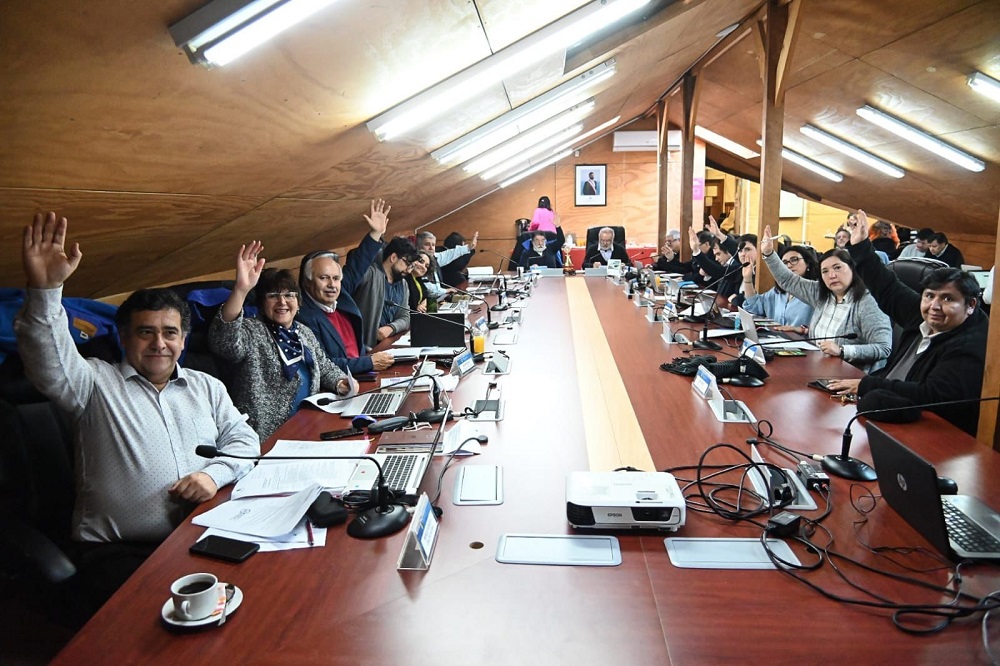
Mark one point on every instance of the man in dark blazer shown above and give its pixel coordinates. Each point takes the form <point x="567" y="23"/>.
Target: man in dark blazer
<point x="604" y="249"/>
<point x="327" y="307"/>
<point x="939" y="248"/>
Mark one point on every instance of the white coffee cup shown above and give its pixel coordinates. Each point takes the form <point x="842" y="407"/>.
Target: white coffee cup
<point x="195" y="596"/>
<point x="427" y="368"/>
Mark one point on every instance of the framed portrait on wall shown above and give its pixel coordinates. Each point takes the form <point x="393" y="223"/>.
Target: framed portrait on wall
<point x="591" y="185"/>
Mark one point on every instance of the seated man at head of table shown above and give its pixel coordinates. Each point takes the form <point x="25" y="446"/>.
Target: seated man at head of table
<point x="327" y="307"/>
<point x="382" y="294"/>
<point x="942" y="352"/>
<point x="543" y="252"/>
<point x="136" y="424"/>
<point x="605" y="249"/>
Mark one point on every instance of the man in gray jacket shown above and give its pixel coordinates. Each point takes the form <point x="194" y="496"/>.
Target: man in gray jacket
<point x="383" y="290"/>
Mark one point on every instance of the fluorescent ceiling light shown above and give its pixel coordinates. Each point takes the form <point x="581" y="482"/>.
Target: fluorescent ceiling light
<point x="524" y="156"/>
<point x="921" y="138"/>
<point x="852" y="151"/>
<point x="722" y="142"/>
<point x="985" y="85"/>
<point x="809" y="164"/>
<point x="223" y="30"/>
<point x="524" y="117"/>
<point x="524" y="141"/>
<point x="472" y="81"/>
<point x="589" y="134"/>
<point x="538" y="167"/>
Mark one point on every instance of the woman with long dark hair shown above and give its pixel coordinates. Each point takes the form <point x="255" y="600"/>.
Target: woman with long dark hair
<point x="841" y="305"/>
<point x="544" y="218"/>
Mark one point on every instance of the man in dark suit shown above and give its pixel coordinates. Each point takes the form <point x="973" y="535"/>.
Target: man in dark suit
<point x="604" y="249"/>
<point x="939" y="248"/>
<point x="327" y="307"/>
<point x="590" y="187"/>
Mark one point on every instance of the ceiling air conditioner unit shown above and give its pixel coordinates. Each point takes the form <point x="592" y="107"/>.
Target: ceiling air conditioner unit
<point x="634" y="141"/>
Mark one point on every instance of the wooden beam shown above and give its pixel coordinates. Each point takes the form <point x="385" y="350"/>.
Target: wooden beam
<point x="989" y="428"/>
<point x="781" y="20"/>
<point x="662" y="159"/>
<point x="689" y="97"/>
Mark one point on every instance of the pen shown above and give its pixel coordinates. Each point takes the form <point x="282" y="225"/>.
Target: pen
<point x="309" y="533"/>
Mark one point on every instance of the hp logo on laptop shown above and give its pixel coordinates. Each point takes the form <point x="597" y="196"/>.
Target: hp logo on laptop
<point x="901" y="480"/>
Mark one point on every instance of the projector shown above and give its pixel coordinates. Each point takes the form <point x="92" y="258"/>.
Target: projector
<point x="624" y="500"/>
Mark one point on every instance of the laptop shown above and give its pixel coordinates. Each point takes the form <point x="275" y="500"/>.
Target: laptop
<point x="957" y="525"/>
<point x="382" y="403"/>
<point x="404" y="472"/>
<point x="444" y="329"/>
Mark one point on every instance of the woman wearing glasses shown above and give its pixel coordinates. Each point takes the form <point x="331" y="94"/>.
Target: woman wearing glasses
<point x="841" y="305"/>
<point x="277" y="361"/>
<point x="791" y="313"/>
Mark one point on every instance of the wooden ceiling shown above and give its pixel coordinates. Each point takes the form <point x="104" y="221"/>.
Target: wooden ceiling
<point x="164" y="167"/>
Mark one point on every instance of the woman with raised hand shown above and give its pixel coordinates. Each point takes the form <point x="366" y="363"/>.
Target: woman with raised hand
<point x="278" y="362"/>
<point x="841" y="305"/>
<point x="791" y="313"/>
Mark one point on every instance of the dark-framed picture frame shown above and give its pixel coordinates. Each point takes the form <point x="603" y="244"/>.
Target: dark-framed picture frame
<point x="590" y="184"/>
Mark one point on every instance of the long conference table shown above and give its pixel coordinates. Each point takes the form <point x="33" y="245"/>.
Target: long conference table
<point x="585" y="392"/>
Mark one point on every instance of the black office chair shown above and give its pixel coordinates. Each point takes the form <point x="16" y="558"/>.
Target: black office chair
<point x="911" y="271"/>
<point x="37" y="493"/>
<point x="594" y="231"/>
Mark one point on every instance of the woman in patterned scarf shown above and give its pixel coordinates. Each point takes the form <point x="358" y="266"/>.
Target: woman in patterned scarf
<point x="277" y="361"/>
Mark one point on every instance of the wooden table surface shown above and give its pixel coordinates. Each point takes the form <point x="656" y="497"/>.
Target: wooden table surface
<point x="347" y="603"/>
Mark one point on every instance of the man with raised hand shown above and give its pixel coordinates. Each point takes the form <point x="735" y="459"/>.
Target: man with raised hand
<point x="136" y="423"/>
<point x="942" y="351"/>
<point x="328" y="308"/>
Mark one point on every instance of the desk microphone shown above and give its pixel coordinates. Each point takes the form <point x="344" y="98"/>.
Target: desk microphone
<point x="845" y="336"/>
<point x="489" y="317"/>
<point x="381" y="520"/>
<point x="502" y="295"/>
<point x="703" y="342"/>
<point x="857" y="470"/>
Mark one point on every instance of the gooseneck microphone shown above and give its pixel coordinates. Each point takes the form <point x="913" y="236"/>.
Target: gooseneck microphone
<point x="856" y="470"/>
<point x="502" y="295"/>
<point x="379" y="521"/>
<point x="703" y="342"/>
<point x="489" y="317"/>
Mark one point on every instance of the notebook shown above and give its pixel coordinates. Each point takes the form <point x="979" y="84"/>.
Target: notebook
<point x="404" y="472"/>
<point x="382" y="403"/>
<point x="957" y="525"/>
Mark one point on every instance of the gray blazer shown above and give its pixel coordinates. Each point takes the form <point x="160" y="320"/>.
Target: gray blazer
<point x="259" y="387"/>
<point x="871" y="324"/>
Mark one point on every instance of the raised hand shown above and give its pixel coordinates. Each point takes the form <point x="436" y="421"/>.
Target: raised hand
<point x="46" y="263"/>
<point x="475" y="239"/>
<point x="693" y="239"/>
<point x="713" y="226"/>
<point x="858" y="225"/>
<point x="379" y="218"/>
<point x="766" y="244"/>
<point x="249" y="265"/>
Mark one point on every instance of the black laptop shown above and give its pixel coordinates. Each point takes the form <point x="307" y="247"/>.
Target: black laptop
<point x="957" y="525"/>
<point x="444" y="329"/>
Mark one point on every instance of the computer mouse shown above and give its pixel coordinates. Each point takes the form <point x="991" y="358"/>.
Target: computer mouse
<point x="362" y="421"/>
<point x="947" y="486"/>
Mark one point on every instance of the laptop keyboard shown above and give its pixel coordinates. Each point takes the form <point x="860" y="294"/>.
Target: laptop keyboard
<point x="970" y="537"/>
<point x="397" y="469"/>
<point x="379" y="403"/>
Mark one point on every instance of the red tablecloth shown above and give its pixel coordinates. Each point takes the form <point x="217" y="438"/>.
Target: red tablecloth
<point x="636" y="252"/>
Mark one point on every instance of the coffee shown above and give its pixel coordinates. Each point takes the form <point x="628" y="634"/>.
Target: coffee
<point x="196" y="587"/>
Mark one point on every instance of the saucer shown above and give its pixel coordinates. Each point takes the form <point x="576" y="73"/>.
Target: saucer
<point x="167" y="612"/>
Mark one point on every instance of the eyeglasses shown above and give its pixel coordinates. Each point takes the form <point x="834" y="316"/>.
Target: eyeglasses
<point x="791" y="261"/>
<point x="287" y="295"/>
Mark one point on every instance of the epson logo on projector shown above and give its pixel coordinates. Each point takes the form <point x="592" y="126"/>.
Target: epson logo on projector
<point x="615" y="515"/>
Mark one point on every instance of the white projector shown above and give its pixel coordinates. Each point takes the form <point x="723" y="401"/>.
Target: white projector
<point x="624" y="500"/>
